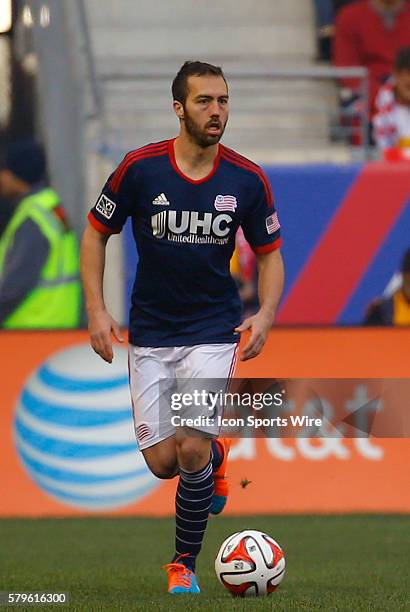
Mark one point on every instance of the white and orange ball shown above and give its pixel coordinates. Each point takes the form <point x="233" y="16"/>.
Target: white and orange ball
<point x="249" y="563"/>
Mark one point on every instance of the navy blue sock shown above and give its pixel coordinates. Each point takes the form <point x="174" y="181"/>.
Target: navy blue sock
<point x="192" y="503"/>
<point x="216" y="455"/>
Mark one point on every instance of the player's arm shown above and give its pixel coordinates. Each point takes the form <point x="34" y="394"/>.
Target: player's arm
<point x="101" y="325"/>
<point x="106" y="217"/>
<point x="261" y="228"/>
<point x="270" y="287"/>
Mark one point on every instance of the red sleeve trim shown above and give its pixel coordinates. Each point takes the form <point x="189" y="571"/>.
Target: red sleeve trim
<point x="267" y="248"/>
<point x="100" y="227"/>
<point x="235" y="158"/>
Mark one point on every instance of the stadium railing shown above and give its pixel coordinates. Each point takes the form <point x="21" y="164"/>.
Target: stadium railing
<point x="278" y="115"/>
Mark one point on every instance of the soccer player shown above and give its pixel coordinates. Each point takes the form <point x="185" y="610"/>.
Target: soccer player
<point x="186" y="197"/>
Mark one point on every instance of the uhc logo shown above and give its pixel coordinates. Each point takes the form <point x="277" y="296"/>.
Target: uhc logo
<point x="202" y="228"/>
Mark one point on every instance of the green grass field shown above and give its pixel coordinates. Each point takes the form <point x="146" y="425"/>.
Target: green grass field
<point x="347" y="563"/>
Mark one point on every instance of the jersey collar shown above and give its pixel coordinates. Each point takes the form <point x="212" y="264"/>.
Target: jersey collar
<point x="171" y="153"/>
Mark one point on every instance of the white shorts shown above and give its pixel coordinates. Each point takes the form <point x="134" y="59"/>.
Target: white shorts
<point x="154" y="371"/>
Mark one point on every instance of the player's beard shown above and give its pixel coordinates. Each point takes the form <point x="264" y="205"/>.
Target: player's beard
<point x="198" y="135"/>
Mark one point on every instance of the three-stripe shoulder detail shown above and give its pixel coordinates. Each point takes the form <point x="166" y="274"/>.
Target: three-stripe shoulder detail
<point x="239" y="160"/>
<point x="151" y="150"/>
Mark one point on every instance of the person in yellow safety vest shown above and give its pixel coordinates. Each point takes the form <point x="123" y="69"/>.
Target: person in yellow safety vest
<point x="394" y="309"/>
<point x="39" y="270"/>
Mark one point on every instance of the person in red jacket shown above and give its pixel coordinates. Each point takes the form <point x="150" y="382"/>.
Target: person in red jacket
<point x="370" y="33"/>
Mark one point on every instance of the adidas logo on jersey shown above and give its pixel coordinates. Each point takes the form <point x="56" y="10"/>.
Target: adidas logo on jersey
<point x="160" y="200"/>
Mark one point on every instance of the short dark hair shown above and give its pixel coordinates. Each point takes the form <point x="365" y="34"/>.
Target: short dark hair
<point x="192" y="68"/>
<point x="402" y="61"/>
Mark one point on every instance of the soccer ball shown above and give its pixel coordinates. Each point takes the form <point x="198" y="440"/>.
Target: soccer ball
<point x="250" y="563"/>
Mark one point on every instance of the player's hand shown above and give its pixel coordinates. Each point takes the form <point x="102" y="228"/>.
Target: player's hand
<point x="259" y="326"/>
<point x="101" y="327"/>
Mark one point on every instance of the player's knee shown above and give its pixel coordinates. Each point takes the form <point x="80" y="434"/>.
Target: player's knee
<point x="192" y="454"/>
<point x="164" y="471"/>
<point x="161" y="459"/>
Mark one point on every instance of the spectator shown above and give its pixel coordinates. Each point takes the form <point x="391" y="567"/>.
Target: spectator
<point x="369" y="33"/>
<point x="391" y="123"/>
<point x="5" y="213"/>
<point x="324" y="17"/>
<point x="339" y="4"/>
<point x="394" y="310"/>
<point x="325" y="12"/>
<point x="39" y="282"/>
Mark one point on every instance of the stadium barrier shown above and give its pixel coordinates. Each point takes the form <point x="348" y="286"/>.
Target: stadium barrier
<point x="296" y="116"/>
<point x="68" y="446"/>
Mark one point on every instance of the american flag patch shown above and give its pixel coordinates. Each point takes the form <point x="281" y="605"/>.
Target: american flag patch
<point x="272" y="223"/>
<point x="143" y="432"/>
<point x="225" y="202"/>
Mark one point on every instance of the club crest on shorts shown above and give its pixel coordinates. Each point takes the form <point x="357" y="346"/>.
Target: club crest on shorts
<point x="105" y="207"/>
<point x="143" y="432"/>
<point x="225" y="202"/>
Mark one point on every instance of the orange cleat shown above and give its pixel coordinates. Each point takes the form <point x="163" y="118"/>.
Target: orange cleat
<point x="220" y="479"/>
<point x="180" y="578"/>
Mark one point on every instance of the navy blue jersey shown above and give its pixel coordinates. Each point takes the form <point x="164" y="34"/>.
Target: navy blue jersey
<point x="185" y="230"/>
